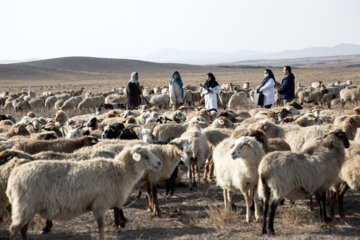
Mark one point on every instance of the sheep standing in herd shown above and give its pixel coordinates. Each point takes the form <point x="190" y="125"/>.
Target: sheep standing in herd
<point x="236" y="167"/>
<point x="307" y="173"/>
<point x="64" y="189"/>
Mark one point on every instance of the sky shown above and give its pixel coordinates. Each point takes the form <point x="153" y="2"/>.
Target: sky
<point x="136" y="28"/>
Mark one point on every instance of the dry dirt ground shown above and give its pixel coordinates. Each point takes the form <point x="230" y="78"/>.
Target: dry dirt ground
<point x="199" y="214"/>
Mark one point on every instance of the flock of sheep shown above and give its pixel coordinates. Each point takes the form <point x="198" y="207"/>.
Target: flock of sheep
<point x="61" y="167"/>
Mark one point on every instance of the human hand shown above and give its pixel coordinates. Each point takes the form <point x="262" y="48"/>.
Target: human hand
<point x="210" y="91"/>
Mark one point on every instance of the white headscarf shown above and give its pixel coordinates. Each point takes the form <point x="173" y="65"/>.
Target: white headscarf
<point x="132" y="79"/>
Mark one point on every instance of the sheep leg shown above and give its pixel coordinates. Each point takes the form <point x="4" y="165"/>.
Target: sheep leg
<point x="149" y="196"/>
<point x="257" y="203"/>
<point x="190" y="176"/>
<point x="206" y="167"/>
<point x="332" y="200"/>
<point x="197" y="174"/>
<point x="23" y="232"/>
<point x="341" y="194"/>
<point x="155" y="202"/>
<point x="119" y="217"/>
<point x="274" y="205"/>
<point x="100" y="222"/>
<point x="248" y="201"/>
<point x="211" y="170"/>
<point x="267" y="200"/>
<point x="311" y="204"/>
<point x="48" y="226"/>
<point x="323" y="200"/>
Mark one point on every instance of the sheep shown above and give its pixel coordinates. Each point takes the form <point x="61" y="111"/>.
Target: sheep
<point x="74" y="93"/>
<point x="170" y="155"/>
<point x="91" y="102"/>
<point x="188" y="100"/>
<point x="349" y="179"/>
<point x="161" y="100"/>
<point x="22" y="106"/>
<point x="57" y="145"/>
<point x="47" y="135"/>
<point x="167" y="132"/>
<point x="50" y="126"/>
<point x="222" y="122"/>
<point x="60" y="118"/>
<point x="225" y="98"/>
<point x="37" y="103"/>
<point x="50" y="101"/>
<point x="71" y="104"/>
<point x="178" y="116"/>
<point x="297" y="175"/>
<point x="213" y="137"/>
<point x="200" y="151"/>
<point x="269" y="144"/>
<point x="49" y="187"/>
<point x="116" y="98"/>
<point x="237" y="99"/>
<point x="17" y="130"/>
<point x="349" y="95"/>
<point x="236" y="162"/>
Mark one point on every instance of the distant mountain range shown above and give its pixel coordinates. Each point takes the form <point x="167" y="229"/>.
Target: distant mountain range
<point x="196" y="57"/>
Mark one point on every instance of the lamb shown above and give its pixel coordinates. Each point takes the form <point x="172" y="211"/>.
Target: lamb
<point x="200" y="151"/>
<point x="91" y="102"/>
<point x="225" y="98"/>
<point x="236" y="163"/>
<point x="57" y="145"/>
<point x="297" y="175"/>
<point x="161" y="100"/>
<point x="49" y="187"/>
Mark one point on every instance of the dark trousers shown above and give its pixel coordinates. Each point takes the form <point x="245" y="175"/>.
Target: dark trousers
<point x="268" y="106"/>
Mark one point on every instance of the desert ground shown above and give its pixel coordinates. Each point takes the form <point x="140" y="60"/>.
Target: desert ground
<point x="196" y="214"/>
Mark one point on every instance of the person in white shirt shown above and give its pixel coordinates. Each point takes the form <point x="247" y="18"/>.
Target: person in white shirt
<point x="210" y="89"/>
<point x="268" y="88"/>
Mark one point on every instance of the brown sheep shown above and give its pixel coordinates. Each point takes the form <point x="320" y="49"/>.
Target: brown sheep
<point x="17" y="130"/>
<point x="9" y="154"/>
<point x="57" y="145"/>
<point x="50" y="126"/>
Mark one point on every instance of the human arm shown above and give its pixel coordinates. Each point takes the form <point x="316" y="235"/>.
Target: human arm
<point x="268" y="85"/>
<point x="215" y="90"/>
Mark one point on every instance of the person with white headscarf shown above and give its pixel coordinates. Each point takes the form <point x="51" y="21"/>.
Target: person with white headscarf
<point x="133" y="92"/>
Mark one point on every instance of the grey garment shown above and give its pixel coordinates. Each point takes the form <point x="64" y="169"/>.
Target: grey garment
<point x="175" y="93"/>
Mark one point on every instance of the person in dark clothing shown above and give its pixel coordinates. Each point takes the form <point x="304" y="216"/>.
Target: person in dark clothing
<point x="287" y="87"/>
<point x="133" y="92"/>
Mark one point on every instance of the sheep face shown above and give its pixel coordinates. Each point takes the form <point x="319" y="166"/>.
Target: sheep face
<point x="241" y="147"/>
<point x="184" y="147"/>
<point x="74" y="133"/>
<point x="342" y="136"/>
<point x="90" y="140"/>
<point x="112" y="131"/>
<point x="146" y="135"/>
<point x="144" y="155"/>
<point x="179" y="117"/>
<point x="92" y="123"/>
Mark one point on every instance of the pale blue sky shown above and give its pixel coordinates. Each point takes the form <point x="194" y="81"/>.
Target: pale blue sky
<point x="136" y="28"/>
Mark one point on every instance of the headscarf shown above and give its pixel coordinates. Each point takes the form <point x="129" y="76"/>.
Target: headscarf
<point x="271" y="75"/>
<point x="178" y="81"/>
<point x="132" y="79"/>
<point x="212" y="83"/>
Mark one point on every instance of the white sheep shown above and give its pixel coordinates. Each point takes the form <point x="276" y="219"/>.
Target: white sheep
<point x="71" y="104"/>
<point x="236" y="163"/>
<point x="200" y="151"/>
<point x="91" y="102"/>
<point x="64" y="189"/>
<point x="161" y="100"/>
<point x="237" y="99"/>
<point x="299" y="175"/>
<point x="167" y="132"/>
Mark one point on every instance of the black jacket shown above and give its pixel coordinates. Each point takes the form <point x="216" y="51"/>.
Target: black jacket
<point x="287" y="87"/>
<point x="133" y="94"/>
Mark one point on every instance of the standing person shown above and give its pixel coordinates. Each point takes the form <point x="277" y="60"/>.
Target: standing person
<point x="176" y="91"/>
<point x="210" y="89"/>
<point x="133" y="91"/>
<point x="287" y="87"/>
<point x="267" y="88"/>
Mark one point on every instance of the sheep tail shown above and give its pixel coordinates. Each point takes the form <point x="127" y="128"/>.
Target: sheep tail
<point x="263" y="188"/>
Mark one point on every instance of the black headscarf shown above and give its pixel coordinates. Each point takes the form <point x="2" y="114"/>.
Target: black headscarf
<point x="271" y="75"/>
<point x="212" y="83"/>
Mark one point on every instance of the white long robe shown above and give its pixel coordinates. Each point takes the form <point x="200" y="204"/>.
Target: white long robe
<point x="210" y="98"/>
<point x="269" y="92"/>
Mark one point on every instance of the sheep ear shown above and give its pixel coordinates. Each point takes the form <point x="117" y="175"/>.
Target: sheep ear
<point x="136" y="156"/>
<point x="232" y="146"/>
